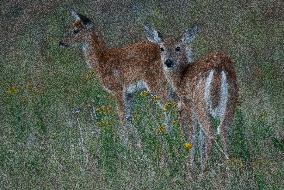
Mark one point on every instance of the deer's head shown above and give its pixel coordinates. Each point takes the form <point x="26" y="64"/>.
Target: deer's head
<point x="176" y="53"/>
<point x="78" y="34"/>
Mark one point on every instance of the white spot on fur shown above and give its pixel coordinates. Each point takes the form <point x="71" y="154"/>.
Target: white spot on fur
<point x="220" y="109"/>
<point x="179" y="104"/>
<point x="85" y="50"/>
<point x="115" y="73"/>
<point x="224" y="94"/>
<point x="140" y="85"/>
<point x="131" y="89"/>
<point x="107" y="90"/>
<point x="207" y="95"/>
<point x="223" y="98"/>
<point x="218" y="130"/>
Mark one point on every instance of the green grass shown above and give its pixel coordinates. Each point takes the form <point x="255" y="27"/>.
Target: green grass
<point x="44" y="144"/>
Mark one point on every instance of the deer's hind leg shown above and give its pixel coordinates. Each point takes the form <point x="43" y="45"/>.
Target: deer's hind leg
<point x="124" y="128"/>
<point x="201" y="113"/>
<point x="128" y="104"/>
<point x="227" y="114"/>
<point x="193" y="140"/>
<point x="206" y="142"/>
<point x="121" y="114"/>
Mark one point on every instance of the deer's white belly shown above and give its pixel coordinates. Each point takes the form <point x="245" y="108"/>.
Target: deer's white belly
<point x="135" y="87"/>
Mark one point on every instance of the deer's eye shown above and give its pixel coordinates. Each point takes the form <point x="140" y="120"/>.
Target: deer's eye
<point x="177" y="48"/>
<point x="162" y="49"/>
<point x="76" y="31"/>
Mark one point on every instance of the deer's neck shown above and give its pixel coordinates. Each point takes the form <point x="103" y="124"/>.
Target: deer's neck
<point x="174" y="78"/>
<point x="94" y="50"/>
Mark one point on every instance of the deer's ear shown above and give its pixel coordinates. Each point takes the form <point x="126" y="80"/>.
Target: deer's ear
<point x="81" y="18"/>
<point x="152" y="35"/>
<point x="189" y="35"/>
<point x="85" y="20"/>
<point x="75" y="15"/>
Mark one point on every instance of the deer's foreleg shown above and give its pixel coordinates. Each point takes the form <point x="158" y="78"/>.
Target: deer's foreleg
<point x="121" y="114"/>
<point x="161" y="91"/>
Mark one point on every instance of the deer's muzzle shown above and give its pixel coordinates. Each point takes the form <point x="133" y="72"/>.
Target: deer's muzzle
<point x="169" y="63"/>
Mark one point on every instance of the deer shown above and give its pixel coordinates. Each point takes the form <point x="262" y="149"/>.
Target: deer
<point x="121" y="71"/>
<point x="207" y="88"/>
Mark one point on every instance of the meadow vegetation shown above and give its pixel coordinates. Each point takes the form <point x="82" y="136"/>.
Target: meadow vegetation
<point x="59" y="128"/>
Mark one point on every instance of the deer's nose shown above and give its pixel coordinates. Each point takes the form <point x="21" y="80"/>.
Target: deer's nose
<point x="169" y="63"/>
<point x="62" y="44"/>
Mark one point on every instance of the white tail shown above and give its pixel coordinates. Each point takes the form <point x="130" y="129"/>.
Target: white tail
<point x="121" y="71"/>
<point x="206" y="87"/>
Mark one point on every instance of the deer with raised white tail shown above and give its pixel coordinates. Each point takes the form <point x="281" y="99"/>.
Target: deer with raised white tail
<point x="121" y="71"/>
<point x="206" y="87"/>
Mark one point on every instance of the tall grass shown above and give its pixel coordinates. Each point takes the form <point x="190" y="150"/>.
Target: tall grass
<point x="59" y="129"/>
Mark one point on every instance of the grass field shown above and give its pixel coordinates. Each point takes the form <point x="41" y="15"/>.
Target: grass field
<point x="59" y="129"/>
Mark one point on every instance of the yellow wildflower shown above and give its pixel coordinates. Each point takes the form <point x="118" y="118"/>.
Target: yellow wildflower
<point x="263" y="115"/>
<point x="98" y="109"/>
<point x="88" y="75"/>
<point x="103" y="123"/>
<point x="156" y="98"/>
<point x="30" y="85"/>
<point x="174" y="105"/>
<point x="187" y="146"/>
<point x="104" y="109"/>
<point x="12" y="90"/>
<point x="169" y="105"/>
<point x="108" y="109"/>
<point x="161" y="129"/>
<point x="259" y="162"/>
<point x="136" y="116"/>
<point x="234" y="162"/>
<point x="175" y="122"/>
<point x="144" y="93"/>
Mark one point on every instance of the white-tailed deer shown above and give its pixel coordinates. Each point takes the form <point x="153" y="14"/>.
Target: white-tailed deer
<point x="121" y="71"/>
<point x="206" y="87"/>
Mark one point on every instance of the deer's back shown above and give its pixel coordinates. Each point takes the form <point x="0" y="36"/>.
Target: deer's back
<point x="133" y="61"/>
